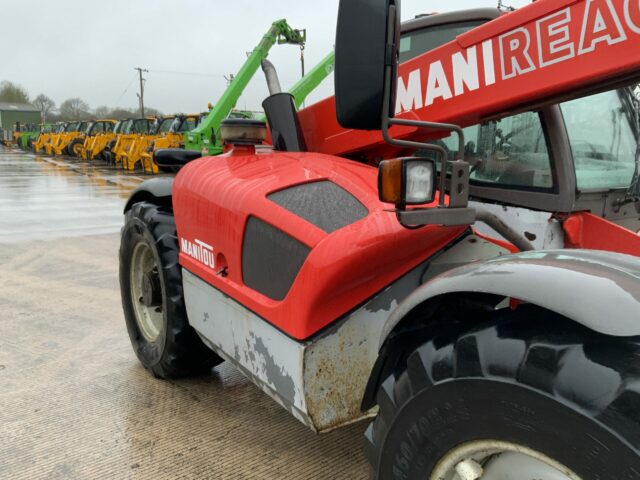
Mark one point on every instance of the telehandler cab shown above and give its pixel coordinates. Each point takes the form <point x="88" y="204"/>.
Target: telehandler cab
<point x="103" y="144"/>
<point x="160" y="130"/>
<point x="70" y="142"/>
<point x="130" y="130"/>
<point x="94" y="147"/>
<point x="80" y="147"/>
<point x="56" y="137"/>
<point x="169" y="135"/>
<point x="131" y="154"/>
<point x="45" y="137"/>
<point x="346" y="291"/>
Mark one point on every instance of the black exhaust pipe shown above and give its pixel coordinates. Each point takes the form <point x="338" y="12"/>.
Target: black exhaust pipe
<point x="282" y="117"/>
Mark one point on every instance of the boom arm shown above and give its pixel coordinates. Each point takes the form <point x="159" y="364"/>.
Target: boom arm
<point x="206" y="134"/>
<point x="312" y="79"/>
<point x="544" y="53"/>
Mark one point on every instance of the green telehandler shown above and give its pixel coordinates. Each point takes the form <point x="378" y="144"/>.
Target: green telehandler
<point x="206" y="137"/>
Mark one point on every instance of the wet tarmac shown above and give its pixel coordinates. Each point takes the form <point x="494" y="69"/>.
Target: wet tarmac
<point x="44" y="197"/>
<point x="74" y="401"/>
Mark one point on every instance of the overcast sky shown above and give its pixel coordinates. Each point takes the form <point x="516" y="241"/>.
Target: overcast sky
<point x="67" y="48"/>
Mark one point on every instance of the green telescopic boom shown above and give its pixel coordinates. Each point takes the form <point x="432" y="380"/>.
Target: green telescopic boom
<point x="206" y="135"/>
<point x="312" y="79"/>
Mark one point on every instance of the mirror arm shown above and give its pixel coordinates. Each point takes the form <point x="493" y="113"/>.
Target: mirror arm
<point x="387" y="121"/>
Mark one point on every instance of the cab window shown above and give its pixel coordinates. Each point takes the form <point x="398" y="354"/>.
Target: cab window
<point x="187" y="125"/>
<point x="418" y="42"/>
<point x="511" y="152"/>
<point x="603" y="133"/>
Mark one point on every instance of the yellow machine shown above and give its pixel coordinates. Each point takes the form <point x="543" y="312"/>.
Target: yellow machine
<point x="45" y="137"/>
<point x="55" y="137"/>
<point x="100" y="144"/>
<point x="108" y="152"/>
<point x="71" y="139"/>
<point x="163" y="127"/>
<point x="96" y="129"/>
<point x="129" y="154"/>
<point x="103" y="144"/>
<point x="144" y="143"/>
<point x="132" y="129"/>
<point x="59" y="141"/>
<point x="15" y="138"/>
<point x="173" y="138"/>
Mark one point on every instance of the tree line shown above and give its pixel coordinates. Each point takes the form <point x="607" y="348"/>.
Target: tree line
<point x="69" y="110"/>
<point x="77" y="109"/>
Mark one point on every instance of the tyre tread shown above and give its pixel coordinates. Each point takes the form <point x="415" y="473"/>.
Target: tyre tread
<point x="544" y="352"/>
<point x="184" y="352"/>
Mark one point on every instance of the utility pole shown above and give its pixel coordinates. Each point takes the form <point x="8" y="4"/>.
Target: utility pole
<point x="141" y="94"/>
<point x="302" y="65"/>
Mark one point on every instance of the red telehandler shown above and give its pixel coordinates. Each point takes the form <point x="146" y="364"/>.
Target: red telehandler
<point x="346" y="291"/>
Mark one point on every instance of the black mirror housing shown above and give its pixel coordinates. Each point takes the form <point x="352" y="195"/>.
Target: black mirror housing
<point x="367" y="41"/>
<point x="173" y="159"/>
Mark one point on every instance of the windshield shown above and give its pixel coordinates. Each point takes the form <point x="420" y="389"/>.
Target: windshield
<point x="165" y="126"/>
<point x="154" y="126"/>
<point x="175" y="124"/>
<point x="187" y="124"/>
<point x="100" y="127"/>
<point x="141" y="125"/>
<point x="603" y="134"/>
<point x="417" y="42"/>
<point x="511" y="152"/>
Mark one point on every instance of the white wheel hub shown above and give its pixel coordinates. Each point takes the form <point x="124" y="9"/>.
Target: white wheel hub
<point x="495" y="460"/>
<point x="145" y="292"/>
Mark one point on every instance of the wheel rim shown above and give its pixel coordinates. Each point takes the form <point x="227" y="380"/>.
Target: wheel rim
<point x="146" y="292"/>
<point x="496" y="460"/>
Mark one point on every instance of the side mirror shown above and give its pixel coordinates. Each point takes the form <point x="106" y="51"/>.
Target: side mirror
<point x="366" y="71"/>
<point x="172" y="159"/>
<point x="367" y="42"/>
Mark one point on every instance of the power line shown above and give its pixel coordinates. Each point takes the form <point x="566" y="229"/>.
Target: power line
<point x="191" y="74"/>
<point x="226" y="77"/>
<point x="126" y="89"/>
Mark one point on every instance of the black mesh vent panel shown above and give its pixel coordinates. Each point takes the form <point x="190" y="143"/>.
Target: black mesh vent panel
<point x="271" y="259"/>
<point x="324" y="204"/>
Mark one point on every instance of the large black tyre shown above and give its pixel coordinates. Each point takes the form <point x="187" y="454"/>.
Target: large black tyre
<point x="74" y="147"/>
<point x="530" y="379"/>
<point x="168" y="347"/>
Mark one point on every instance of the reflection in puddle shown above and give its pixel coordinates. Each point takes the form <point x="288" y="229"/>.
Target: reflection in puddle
<point x="43" y="197"/>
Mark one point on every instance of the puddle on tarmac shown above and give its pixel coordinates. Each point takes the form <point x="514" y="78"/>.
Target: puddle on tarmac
<point x="45" y="198"/>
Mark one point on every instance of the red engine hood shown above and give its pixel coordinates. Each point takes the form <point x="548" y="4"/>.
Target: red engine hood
<point x="214" y="197"/>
